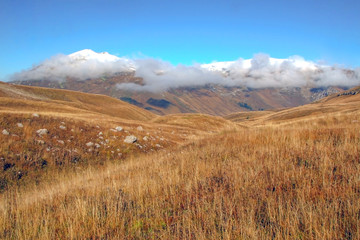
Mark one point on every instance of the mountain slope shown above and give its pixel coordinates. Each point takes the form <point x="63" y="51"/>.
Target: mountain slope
<point x="342" y="103"/>
<point x="53" y="100"/>
<point x="219" y="88"/>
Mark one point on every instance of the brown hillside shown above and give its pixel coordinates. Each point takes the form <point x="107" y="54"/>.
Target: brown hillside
<point x="337" y="104"/>
<point x="45" y="100"/>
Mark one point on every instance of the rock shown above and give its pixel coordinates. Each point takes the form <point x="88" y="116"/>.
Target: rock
<point x="62" y="127"/>
<point x="97" y="145"/>
<point x="41" y="132"/>
<point x="118" y="128"/>
<point x="40" y="142"/>
<point x="140" y="128"/>
<point x="5" y="132"/>
<point x="113" y="130"/>
<point x="20" y="125"/>
<point x="89" y="144"/>
<point x="62" y="123"/>
<point x="130" y="139"/>
<point x="61" y="142"/>
<point x="158" y="145"/>
<point x="145" y="138"/>
<point x="35" y="115"/>
<point x="100" y="133"/>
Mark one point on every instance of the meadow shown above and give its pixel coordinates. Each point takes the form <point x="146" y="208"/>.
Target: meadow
<point x="283" y="174"/>
<point x="279" y="181"/>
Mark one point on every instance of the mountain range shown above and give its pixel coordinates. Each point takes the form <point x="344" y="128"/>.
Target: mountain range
<point x="218" y="88"/>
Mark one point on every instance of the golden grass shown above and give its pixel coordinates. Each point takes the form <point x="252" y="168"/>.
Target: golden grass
<point x="288" y="182"/>
<point x="290" y="174"/>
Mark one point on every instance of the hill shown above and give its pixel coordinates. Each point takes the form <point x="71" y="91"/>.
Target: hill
<point x="281" y="174"/>
<point x="337" y="104"/>
<point x="211" y="99"/>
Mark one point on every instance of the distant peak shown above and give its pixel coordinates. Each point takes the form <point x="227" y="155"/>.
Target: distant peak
<point x="88" y="54"/>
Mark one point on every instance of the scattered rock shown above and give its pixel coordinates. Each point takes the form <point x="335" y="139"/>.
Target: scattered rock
<point x="113" y="130"/>
<point x="140" y="128"/>
<point x="5" y="132"/>
<point x="130" y="139"/>
<point x="61" y="142"/>
<point x="97" y="145"/>
<point x="42" y="132"/>
<point x="35" y="115"/>
<point x="40" y="141"/>
<point x="62" y="127"/>
<point x="145" y="138"/>
<point x="89" y="144"/>
<point x="118" y="128"/>
<point x="158" y="145"/>
<point x="100" y="133"/>
<point x="139" y="146"/>
<point x="162" y="139"/>
<point x="20" y="125"/>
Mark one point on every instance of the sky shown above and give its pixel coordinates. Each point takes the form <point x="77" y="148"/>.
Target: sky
<point x="185" y="32"/>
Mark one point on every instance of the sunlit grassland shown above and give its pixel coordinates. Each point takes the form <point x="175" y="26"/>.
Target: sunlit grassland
<point x="297" y="180"/>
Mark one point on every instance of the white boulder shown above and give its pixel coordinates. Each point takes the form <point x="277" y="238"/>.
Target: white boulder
<point x="5" y="132"/>
<point x="42" y="132"/>
<point x="130" y="139"/>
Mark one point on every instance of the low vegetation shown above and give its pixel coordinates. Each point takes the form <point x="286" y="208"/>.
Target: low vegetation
<point x="286" y="174"/>
<point x="290" y="182"/>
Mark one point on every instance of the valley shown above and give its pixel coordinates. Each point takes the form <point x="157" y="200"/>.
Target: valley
<point x="80" y="165"/>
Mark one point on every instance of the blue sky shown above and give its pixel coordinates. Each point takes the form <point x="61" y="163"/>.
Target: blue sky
<point x="179" y="31"/>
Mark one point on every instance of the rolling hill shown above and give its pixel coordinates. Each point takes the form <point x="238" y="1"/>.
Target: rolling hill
<point x="342" y="103"/>
<point x="88" y="166"/>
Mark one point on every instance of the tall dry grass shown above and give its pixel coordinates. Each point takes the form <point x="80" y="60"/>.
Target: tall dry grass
<point x="297" y="181"/>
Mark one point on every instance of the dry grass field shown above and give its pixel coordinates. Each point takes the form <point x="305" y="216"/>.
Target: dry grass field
<point x="288" y="174"/>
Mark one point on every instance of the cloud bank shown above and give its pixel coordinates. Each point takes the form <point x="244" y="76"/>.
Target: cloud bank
<point x="261" y="71"/>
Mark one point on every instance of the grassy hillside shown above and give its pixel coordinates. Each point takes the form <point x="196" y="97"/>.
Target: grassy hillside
<point x="53" y="101"/>
<point x="287" y="174"/>
<point x="80" y="130"/>
<point x="334" y="105"/>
